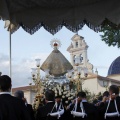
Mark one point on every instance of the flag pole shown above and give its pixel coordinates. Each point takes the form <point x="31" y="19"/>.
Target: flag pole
<point x="10" y="67"/>
<point x="10" y="55"/>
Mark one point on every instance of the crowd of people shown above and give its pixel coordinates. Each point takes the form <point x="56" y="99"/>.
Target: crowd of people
<point x="16" y="107"/>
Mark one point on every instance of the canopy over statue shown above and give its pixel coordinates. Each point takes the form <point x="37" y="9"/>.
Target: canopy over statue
<point x="31" y="15"/>
<point x="56" y="63"/>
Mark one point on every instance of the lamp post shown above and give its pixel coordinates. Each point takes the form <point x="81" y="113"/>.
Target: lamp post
<point x="105" y="84"/>
<point x="82" y="73"/>
<point x="36" y="75"/>
<point x="38" y="83"/>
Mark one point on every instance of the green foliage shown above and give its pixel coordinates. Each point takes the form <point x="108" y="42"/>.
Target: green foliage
<point x="111" y="36"/>
<point x="91" y="96"/>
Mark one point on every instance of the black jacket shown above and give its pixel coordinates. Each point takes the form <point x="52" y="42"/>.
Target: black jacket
<point x="30" y="111"/>
<point x="103" y="106"/>
<point x="12" y="108"/>
<point x="42" y="112"/>
<point x="90" y="110"/>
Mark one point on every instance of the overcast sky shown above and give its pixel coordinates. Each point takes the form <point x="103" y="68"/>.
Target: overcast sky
<point x="26" y="48"/>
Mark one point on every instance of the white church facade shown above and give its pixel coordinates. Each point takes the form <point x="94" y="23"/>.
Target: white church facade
<point x="94" y="82"/>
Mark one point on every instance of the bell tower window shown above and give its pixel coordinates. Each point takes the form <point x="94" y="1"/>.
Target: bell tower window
<point x="74" y="58"/>
<point x="81" y="58"/>
<point x="76" y="44"/>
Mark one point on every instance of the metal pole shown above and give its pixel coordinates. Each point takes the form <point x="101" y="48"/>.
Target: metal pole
<point x="10" y="67"/>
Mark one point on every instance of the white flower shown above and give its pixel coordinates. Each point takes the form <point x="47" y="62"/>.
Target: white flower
<point x="63" y="96"/>
<point x="66" y="102"/>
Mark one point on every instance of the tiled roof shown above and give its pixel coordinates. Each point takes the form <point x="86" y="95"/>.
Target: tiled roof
<point x="108" y="79"/>
<point x="24" y="88"/>
<point x="114" y="67"/>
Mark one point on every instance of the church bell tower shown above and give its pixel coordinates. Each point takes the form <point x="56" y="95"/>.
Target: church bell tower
<point x="78" y="49"/>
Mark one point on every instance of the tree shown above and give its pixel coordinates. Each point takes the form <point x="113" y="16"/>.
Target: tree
<point x="111" y="36"/>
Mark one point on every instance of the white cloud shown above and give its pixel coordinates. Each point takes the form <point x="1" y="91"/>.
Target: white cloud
<point x="21" y="71"/>
<point x="4" y="63"/>
<point x="24" y="48"/>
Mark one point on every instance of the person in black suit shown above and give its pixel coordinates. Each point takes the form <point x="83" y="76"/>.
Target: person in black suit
<point x="43" y="113"/>
<point x="20" y="94"/>
<point x="58" y="99"/>
<point x="11" y="108"/>
<point x="81" y="104"/>
<point x="105" y="94"/>
<point x="30" y="111"/>
<point x="109" y="108"/>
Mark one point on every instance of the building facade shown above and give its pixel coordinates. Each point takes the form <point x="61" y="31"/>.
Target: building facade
<point x="29" y="92"/>
<point x="94" y="82"/>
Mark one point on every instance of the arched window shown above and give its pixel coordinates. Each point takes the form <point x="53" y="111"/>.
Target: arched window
<point x="76" y="44"/>
<point x="81" y="58"/>
<point x="74" y="58"/>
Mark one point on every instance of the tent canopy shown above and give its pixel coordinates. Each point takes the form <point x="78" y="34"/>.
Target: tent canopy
<point x="54" y="14"/>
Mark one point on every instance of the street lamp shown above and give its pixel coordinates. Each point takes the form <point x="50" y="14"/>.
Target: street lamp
<point x="105" y="84"/>
<point x="37" y="62"/>
<point x="36" y="75"/>
<point x="38" y="83"/>
<point x="80" y="72"/>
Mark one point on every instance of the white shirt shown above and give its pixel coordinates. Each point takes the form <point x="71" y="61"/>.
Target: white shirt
<point x="49" y="101"/>
<point x="1" y="93"/>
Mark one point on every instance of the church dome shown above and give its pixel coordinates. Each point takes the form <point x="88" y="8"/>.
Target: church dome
<point x="114" y="67"/>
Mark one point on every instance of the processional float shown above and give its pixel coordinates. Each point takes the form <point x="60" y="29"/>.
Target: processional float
<point x="58" y="77"/>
